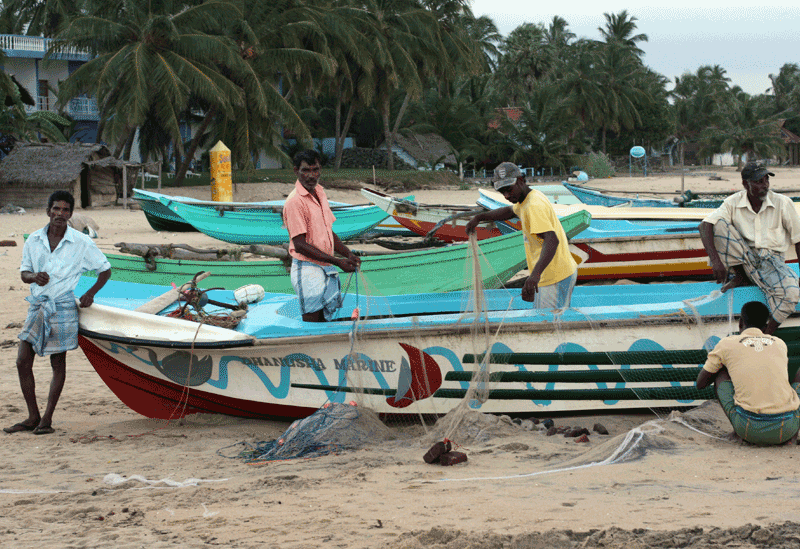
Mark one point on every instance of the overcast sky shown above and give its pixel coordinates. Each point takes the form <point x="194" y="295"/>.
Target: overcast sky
<point x="749" y="42"/>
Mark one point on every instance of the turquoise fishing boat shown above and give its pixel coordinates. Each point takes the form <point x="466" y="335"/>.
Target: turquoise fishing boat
<point x="246" y="226"/>
<point x="161" y="218"/>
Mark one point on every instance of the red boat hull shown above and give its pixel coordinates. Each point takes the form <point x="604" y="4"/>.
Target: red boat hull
<point x="161" y="399"/>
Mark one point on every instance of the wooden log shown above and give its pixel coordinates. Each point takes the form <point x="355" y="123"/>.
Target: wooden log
<point x="184" y="251"/>
<point x="406" y="246"/>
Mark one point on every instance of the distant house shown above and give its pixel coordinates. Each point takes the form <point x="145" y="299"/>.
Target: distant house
<point x="792" y="143"/>
<point x="32" y="171"/>
<point x="424" y="151"/>
<point x="513" y="114"/>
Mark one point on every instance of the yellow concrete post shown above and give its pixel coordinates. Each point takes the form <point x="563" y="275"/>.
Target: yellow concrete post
<point x="221" y="188"/>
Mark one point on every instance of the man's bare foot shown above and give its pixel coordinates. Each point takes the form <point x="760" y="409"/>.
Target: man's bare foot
<point x="735" y="282"/>
<point x="26" y="425"/>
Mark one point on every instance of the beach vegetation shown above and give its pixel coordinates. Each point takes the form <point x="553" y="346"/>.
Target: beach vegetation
<point x="173" y="77"/>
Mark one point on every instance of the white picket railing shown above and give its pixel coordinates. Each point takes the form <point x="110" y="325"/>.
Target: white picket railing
<point x="32" y="43"/>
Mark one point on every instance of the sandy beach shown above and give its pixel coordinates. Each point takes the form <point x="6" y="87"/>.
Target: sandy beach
<point x="109" y="477"/>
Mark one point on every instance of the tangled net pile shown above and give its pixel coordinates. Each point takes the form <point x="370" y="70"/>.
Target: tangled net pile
<point x="329" y="430"/>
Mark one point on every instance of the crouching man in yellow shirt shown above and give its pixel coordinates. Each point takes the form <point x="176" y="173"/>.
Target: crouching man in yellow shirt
<point x="749" y="372"/>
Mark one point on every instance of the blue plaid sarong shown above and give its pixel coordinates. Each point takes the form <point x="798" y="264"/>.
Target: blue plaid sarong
<point x="765" y="268"/>
<point x="318" y="288"/>
<point x="52" y="325"/>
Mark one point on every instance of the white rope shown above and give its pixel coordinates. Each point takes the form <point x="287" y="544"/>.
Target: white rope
<point x="695" y="429"/>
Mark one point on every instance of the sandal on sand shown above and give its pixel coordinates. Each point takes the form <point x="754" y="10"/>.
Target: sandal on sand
<point x="43" y="430"/>
<point x="19" y="427"/>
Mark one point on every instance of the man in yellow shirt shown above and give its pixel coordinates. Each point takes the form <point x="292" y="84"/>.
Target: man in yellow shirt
<point x="553" y="271"/>
<point x="749" y="372"/>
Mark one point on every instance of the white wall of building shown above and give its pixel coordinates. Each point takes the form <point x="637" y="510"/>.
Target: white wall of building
<point x="725" y="159"/>
<point x="24" y="70"/>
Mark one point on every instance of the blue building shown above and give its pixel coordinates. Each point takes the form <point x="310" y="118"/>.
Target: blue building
<point x="25" y="59"/>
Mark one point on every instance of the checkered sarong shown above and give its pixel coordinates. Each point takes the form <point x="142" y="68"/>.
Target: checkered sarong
<point x="767" y="269"/>
<point x="51" y="326"/>
<point x="318" y="288"/>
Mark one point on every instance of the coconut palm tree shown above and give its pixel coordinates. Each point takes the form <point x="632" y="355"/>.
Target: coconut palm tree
<point x="701" y="100"/>
<point x="744" y="132"/>
<point x="483" y="32"/>
<point x="153" y="61"/>
<point x="526" y="60"/>
<point x="620" y="28"/>
<point x="43" y="17"/>
<point x="582" y="87"/>
<point x="545" y="132"/>
<point x="408" y="34"/>
<point x="619" y="74"/>
<point x="11" y="20"/>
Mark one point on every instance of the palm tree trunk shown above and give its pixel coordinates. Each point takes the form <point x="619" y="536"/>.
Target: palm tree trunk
<point x="391" y="134"/>
<point x="193" y="144"/>
<point x="122" y="142"/>
<point x="340" y="146"/>
<point x="129" y="145"/>
<point x="604" y="138"/>
<point x="387" y="134"/>
<point x="101" y="125"/>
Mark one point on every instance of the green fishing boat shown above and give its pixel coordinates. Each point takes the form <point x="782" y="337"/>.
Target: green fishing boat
<point x="433" y="270"/>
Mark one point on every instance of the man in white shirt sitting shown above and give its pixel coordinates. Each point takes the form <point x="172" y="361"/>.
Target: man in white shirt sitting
<point x="746" y="239"/>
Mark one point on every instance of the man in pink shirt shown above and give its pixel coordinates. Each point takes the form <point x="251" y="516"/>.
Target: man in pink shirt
<point x="309" y="220"/>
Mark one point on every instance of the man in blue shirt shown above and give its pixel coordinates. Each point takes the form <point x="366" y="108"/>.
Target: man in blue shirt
<point x="53" y="260"/>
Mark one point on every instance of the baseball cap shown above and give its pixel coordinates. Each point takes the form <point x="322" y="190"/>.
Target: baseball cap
<point x="754" y="171"/>
<point x="505" y="174"/>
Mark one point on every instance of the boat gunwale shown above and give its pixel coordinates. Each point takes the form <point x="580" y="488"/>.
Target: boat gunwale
<point x="166" y="344"/>
<point x="508" y="327"/>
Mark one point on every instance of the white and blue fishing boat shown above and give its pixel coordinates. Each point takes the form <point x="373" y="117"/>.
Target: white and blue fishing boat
<point x="619" y="347"/>
<point x="597" y="198"/>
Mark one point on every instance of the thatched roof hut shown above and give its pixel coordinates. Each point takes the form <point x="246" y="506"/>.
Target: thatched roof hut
<point x="32" y="171"/>
<point x="424" y="150"/>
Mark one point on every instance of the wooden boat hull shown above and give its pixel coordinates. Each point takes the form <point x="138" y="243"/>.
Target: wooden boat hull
<point x="421" y="219"/>
<point x="240" y="226"/>
<point x="428" y="271"/>
<point x="602" y="358"/>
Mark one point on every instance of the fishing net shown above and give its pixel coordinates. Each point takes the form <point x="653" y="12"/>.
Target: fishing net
<point x="562" y="369"/>
<point x="332" y="429"/>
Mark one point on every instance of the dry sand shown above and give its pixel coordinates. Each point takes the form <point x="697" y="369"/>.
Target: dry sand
<point x="109" y="477"/>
